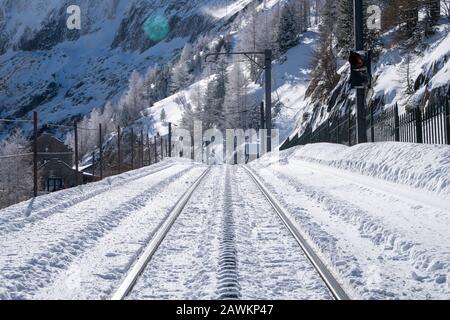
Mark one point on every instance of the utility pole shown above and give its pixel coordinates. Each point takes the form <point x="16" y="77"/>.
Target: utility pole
<point x="100" y="143"/>
<point x="132" y="149"/>
<point x="267" y="67"/>
<point x="162" y="147"/>
<point x="156" y="149"/>
<point x="170" y="139"/>
<point x="140" y="152"/>
<point x="119" y="160"/>
<point x="361" y="134"/>
<point x="35" y="155"/>
<point x="149" y="150"/>
<point x="261" y="110"/>
<point x="75" y="128"/>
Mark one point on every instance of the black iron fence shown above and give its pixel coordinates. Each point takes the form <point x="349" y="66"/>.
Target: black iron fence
<point x="429" y="124"/>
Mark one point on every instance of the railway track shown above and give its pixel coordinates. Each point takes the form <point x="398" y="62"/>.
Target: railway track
<point x="228" y="260"/>
<point x="327" y="276"/>
<point x="140" y="265"/>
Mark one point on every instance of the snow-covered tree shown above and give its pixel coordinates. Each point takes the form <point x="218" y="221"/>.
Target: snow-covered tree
<point x="182" y="70"/>
<point x="16" y="177"/>
<point x="234" y="99"/>
<point x="324" y="76"/>
<point x="189" y="115"/>
<point x="345" y="29"/>
<point x="288" y="27"/>
<point x="163" y="116"/>
<point x="156" y="84"/>
<point x="133" y="103"/>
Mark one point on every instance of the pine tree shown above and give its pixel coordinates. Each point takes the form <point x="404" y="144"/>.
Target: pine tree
<point x="345" y="29"/>
<point x="189" y="116"/>
<point x="182" y="71"/>
<point x="233" y="104"/>
<point x="133" y="103"/>
<point x="432" y="14"/>
<point x="324" y="76"/>
<point x="344" y="32"/>
<point x="288" y="28"/>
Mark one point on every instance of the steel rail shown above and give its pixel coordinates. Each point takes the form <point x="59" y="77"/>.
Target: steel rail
<point x="142" y="262"/>
<point x="327" y="276"/>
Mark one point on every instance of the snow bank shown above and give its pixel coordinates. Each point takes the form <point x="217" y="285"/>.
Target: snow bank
<point x="16" y="216"/>
<point x="377" y="213"/>
<point x="418" y="165"/>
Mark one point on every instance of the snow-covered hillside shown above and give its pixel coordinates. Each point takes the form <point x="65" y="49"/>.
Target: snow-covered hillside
<point x="65" y="73"/>
<point x="426" y="68"/>
<point x="290" y="76"/>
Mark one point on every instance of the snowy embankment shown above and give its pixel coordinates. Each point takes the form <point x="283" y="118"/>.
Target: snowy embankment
<point x="378" y="214"/>
<point x="420" y="166"/>
<point x="81" y="242"/>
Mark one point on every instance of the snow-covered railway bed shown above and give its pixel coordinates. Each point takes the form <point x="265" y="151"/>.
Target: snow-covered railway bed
<point x="386" y="240"/>
<point x="271" y="263"/>
<point x="82" y="251"/>
<point x="183" y="265"/>
<point x="229" y="243"/>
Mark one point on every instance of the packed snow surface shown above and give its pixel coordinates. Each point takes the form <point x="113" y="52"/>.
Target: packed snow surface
<point x="379" y="214"/>
<point x="229" y="218"/>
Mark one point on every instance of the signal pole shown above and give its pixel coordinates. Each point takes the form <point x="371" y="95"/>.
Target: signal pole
<point x="268" y="97"/>
<point x="267" y="67"/>
<point x="361" y="134"/>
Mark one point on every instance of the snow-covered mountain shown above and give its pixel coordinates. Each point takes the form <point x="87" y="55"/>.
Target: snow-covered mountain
<point x="65" y="73"/>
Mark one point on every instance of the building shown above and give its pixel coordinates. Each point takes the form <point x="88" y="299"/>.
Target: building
<point x="55" y="165"/>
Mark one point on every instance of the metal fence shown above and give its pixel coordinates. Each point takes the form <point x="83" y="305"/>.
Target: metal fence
<point x="430" y="125"/>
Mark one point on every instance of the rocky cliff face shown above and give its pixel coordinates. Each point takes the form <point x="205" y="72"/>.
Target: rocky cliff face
<point x="65" y="73"/>
<point x="429" y="75"/>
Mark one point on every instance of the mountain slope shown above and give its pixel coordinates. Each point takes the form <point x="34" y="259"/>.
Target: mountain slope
<point x="66" y="73"/>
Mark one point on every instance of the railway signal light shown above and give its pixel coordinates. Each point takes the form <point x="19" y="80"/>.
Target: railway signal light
<point x="360" y="65"/>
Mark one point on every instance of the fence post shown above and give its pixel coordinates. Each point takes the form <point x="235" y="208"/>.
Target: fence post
<point x="139" y="153"/>
<point x="156" y="149"/>
<point x="338" y="132"/>
<point x="93" y="164"/>
<point x="35" y="155"/>
<point x="396" y="123"/>
<point x="148" y="150"/>
<point x="329" y="130"/>
<point x="447" y="119"/>
<point x="350" y="127"/>
<point x="132" y="149"/>
<point x="166" y="148"/>
<point x="372" y="125"/>
<point x="162" y="148"/>
<point x="263" y="120"/>
<point x="77" y="180"/>
<point x="100" y="137"/>
<point x="119" y="156"/>
<point x="419" y="134"/>
<point x="170" y="139"/>
<point x="142" y="148"/>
